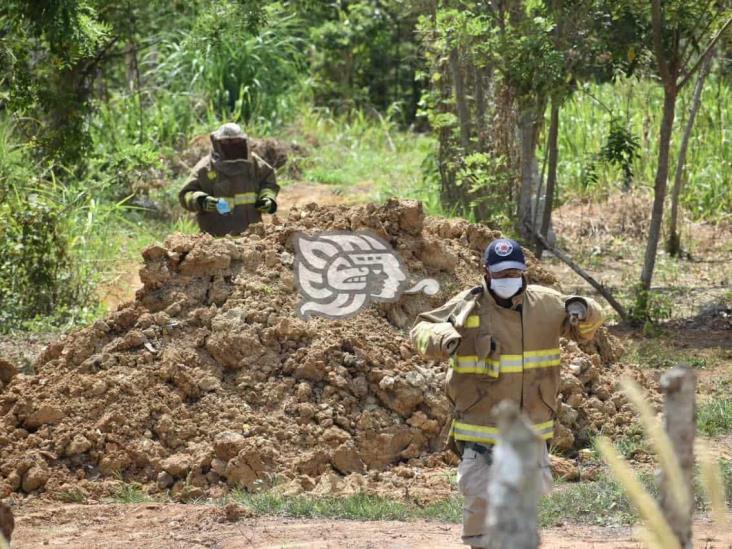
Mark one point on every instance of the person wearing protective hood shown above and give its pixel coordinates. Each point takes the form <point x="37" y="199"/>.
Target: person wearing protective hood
<point x="502" y="342"/>
<point x="230" y="187"/>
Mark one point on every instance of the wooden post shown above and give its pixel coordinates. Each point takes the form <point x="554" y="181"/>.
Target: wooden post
<point x="515" y="482"/>
<point x="679" y="389"/>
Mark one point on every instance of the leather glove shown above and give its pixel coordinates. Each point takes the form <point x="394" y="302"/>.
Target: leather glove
<point x="207" y="203"/>
<point x="577" y="310"/>
<point x="266" y="205"/>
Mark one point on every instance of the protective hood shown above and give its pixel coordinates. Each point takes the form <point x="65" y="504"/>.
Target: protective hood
<point x="232" y="152"/>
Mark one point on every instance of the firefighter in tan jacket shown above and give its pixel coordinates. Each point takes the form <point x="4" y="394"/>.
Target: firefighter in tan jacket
<point x="502" y="340"/>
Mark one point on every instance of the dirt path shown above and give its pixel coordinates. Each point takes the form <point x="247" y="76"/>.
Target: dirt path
<point x="168" y="526"/>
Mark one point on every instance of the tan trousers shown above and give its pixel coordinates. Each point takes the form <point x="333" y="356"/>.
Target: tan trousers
<point x="472" y="480"/>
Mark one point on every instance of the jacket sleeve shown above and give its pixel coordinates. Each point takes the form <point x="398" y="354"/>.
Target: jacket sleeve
<point x="433" y="328"/>
<point x="585" y="330"/>
<point x="267" y="180"/>
<point x="195" y="186"/>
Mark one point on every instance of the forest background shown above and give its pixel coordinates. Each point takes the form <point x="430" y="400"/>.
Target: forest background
<point x="498" y="111"/>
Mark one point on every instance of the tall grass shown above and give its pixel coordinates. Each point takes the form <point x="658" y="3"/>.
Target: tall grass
<point x="370" y="151"/>
<point x="221" y="69"/>
<point x="637" y="105"/>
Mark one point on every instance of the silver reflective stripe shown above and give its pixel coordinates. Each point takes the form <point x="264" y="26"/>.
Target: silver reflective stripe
<point x="541" y="358"/>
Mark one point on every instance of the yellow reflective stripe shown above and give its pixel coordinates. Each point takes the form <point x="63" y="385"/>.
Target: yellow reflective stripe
<point x="267" y="193"/>
<point x="507" y="364"/>
<point x="541" y="352"/>
<point x="489" y="435"/>
<point x="469" y="364"/>
<point x="586" y="328"/>
<point x="245" y="198"/>
<point x="476" y="428"/>
<point x="543" y="358"/>
<point x="473" y="321"/>
<point x="542" y="364"/>
<point x="240" y="198"/>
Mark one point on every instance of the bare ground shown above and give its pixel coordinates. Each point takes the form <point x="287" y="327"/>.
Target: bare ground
<point x="168" y="526"/>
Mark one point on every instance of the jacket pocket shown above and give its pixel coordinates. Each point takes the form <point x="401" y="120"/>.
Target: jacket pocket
<point x="477" y="355"/>
<point x="484" y="345"/>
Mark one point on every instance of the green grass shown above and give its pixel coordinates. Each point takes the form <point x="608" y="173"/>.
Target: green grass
<point x="354" y="507"/>
<point x="367" y="151"/>
<point x="131" y="493"/>
<point x="585" y="121"/>
<point x="600" y="503"/>
<point x="655" y="352"/>
<point x="715" y="417"/>
<point x="73" y="495"/>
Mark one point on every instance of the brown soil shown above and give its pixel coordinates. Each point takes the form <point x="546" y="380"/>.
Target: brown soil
<point x="121" y="287"/>
<point x="209" y="381"/>
<point x="157" y="526"/>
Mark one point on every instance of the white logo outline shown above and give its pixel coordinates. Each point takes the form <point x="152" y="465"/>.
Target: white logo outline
<point x="503" y="248"/>
<point x="339" y="273"/>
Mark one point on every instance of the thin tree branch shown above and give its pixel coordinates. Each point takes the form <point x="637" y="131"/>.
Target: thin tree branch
<point x="704" y="30"/>
<point x="602" y="290"/>
<point x="699" y="61"/>
<point x="657" y="23"/>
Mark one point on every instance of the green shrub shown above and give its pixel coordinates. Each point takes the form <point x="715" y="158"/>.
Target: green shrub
<point x="225" y="71"/>
<point x="50" y="236"/>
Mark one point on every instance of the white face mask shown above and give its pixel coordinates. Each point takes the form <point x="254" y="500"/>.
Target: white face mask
<point x="506" y="287"/>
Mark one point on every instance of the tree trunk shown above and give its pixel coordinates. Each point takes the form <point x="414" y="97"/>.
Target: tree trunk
<point x="674" y="240"/>
<point x="659" y="190"/>
<point x="679" y="406"/>
<point x="528" y="127"/>
<point x="461" y="102"/>
<point x="479" y="106"/>
<point x="551" y="177"/>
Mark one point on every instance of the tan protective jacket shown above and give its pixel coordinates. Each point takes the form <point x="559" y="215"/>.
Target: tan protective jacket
<point x="240" y="182"/>
<point x="505" y="353"/>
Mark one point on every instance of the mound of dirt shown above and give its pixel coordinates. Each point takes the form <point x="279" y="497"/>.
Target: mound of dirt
<point x="209" y="380"/>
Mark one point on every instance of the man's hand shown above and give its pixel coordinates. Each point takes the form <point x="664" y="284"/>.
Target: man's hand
<point x="266" y="205"/>
<point x="577" y="311"/>
<point x="207" y="203"/>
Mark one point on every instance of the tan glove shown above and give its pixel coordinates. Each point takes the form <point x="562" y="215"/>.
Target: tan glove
<point x="577" y="310"/>
<point x="449" y="337"/>
<point x="450" y="343"/>
<point x="435" y="340"/>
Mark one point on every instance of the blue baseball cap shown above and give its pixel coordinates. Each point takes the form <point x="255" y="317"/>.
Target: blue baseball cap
<point x="502" y="254"/>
